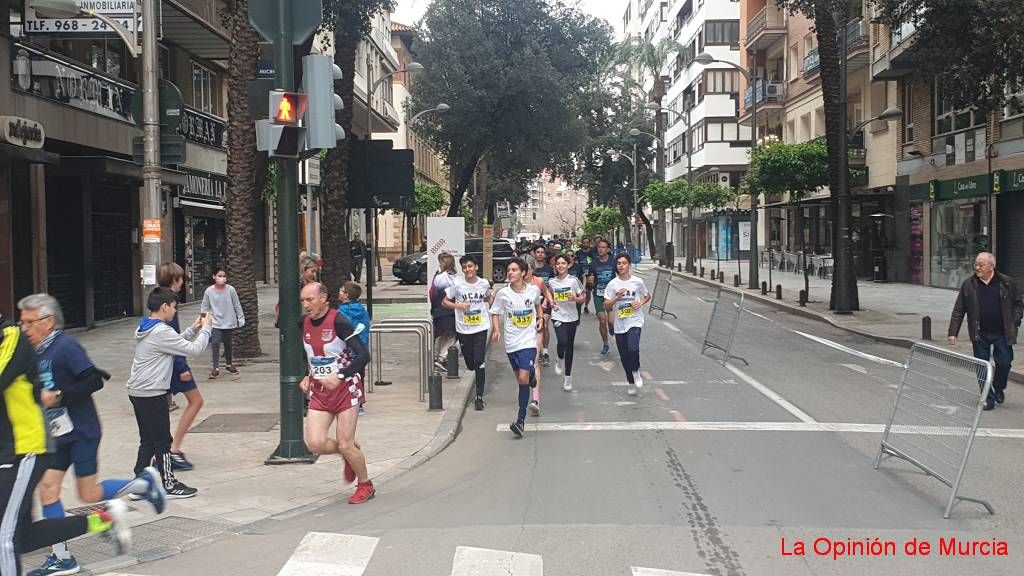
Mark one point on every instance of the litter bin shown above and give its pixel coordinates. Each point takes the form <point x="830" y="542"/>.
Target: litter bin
<point x="881" y="268"/>
<point x="670" y="255"/>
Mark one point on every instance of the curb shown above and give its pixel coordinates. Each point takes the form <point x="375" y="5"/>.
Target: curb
<point x="907" y="343"/>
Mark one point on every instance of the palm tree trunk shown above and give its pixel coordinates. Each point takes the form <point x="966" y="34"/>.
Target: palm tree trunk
<point x="242" y="198"/>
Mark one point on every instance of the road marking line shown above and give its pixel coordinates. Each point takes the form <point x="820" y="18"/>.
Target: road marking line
<point x="327" y="554"/>
<point x="771" y="395"/>
<point x="856" y="368"/>
<point x="659" y="382"/>
<point x="671" y="327"/>
<point x="661" y="394"/>
<point x="678" y="416"/>
<point x="484" y="562"/>
<point x="756" y="314"/>
<point x="1014" y="433"/>
<point x="625" y="403"/>
<point x="656" y="572"/>
<point x="849" y="350"/>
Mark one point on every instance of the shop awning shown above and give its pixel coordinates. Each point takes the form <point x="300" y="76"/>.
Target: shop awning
<point x="30" y="155"/>
<point x="106" y="166"/>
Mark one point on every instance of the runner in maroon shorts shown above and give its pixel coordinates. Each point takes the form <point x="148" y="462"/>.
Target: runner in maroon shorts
<point x="335" y="385"/>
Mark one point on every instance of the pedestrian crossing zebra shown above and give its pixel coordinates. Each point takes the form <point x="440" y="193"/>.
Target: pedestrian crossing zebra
<point x="331" y="554"/>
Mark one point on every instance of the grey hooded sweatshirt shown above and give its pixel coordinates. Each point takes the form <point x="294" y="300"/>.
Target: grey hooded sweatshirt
<point x="156" y="345"/>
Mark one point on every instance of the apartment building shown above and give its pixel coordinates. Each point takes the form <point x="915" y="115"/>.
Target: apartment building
<point x="703" y="133"/>
<point x="70" y="215"/>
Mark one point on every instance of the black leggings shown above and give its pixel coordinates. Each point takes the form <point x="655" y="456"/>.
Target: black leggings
<point x="221" y="336"/>
<point x="629" y="351"/>
<point x="18" y="533"/>
<point x="474" y="350"/>
<point x="565" y="332"/>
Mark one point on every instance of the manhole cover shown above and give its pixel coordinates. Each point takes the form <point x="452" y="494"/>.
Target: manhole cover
<point x="233" y="423"/>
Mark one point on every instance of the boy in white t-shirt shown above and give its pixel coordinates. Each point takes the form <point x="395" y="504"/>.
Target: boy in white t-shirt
<point x="518" y="307"/>
<point x="470" y="296"/>
<point x="624" y="298"/>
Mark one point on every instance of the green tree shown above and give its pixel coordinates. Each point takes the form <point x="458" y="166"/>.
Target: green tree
<point x="429" y="199"/>
<point x="971" y="47"/>
<point x="512" y="73"/>
<point x="600" y="220"/>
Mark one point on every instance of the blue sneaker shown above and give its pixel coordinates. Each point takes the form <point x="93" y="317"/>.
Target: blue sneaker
<point x="155" y="494"/>
<point x="179" y="462"/>
<point x="54" y="566"/>
<point x="604" y="350"/>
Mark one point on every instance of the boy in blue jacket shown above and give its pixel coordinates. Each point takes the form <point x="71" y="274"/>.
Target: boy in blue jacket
<point x="356" y="313"/>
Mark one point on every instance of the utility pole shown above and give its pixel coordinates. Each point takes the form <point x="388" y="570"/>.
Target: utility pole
<point x="752" y="267"/>
<point x="844" y="264"/>
<point x="152" y="237"/>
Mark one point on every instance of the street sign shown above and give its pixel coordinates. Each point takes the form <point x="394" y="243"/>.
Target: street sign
<point x="257" y="91"/>
<point x="392" y="180"/>
<point x="172" y="107"/>
<point x="172" y="150"/>
<point x="123" y="12"/>
<point x="265" y="17"/>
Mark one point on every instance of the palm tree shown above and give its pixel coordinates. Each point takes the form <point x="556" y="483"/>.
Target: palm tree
<point x="243" y="198"/>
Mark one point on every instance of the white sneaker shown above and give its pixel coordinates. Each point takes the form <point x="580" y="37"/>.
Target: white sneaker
<point x="558" y="367"/>
<point x="535" y="408"/>
<point x="631" y="390"/>
<point x="119" y="530"/>
<point x="567" y="384"/>
<point x="639" y="381"/>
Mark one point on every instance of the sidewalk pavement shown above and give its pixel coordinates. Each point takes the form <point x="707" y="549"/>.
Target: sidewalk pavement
<point x="890" y="312"/>
<point x="238" y="429"/>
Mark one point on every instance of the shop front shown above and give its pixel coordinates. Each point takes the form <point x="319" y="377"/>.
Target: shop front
<point x="199" y="232"/>
<point x="728" y="236"/>
<point x="1010" y="222"/>
<point x="959" y="228"/>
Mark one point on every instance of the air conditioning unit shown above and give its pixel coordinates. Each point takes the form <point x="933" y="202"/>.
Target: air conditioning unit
<point x="775" y="91"/>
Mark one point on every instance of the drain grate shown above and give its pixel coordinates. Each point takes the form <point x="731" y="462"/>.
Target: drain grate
<point x="152" y="540"/>
<point x="235" y="423"/>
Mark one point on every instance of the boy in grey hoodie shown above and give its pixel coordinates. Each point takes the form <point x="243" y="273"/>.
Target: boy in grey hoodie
<point x="156" y="345"/>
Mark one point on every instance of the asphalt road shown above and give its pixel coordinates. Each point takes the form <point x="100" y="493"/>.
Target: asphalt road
<point x="699" y="474"/>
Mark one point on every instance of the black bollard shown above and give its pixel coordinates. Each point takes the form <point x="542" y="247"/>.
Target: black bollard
<point x="735" y="280"/>
<point x="721" y="277"/>
<point x="764" y="288"/>
<point x="453" y="362"/>
<point x="926" y="328"/>
<point x="434" y="392"/>
<point x="679" y="267"/>
<point x="778" y="291"/>
<point x="701" y="271"/>
<point x="803" y="298"/>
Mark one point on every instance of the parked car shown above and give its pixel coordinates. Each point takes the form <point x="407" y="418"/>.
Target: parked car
<point x="413" y="267"/>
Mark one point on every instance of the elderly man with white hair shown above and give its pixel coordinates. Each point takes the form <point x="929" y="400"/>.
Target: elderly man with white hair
<point x="993" y="306"/>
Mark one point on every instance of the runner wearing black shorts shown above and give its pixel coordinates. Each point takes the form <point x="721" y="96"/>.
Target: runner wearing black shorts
<point x="470" y="297"/>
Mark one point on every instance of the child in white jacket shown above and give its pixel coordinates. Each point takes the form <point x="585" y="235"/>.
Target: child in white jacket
<point x="221" y="300"/>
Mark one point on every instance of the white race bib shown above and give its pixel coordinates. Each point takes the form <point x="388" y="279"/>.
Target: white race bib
<point x="323" y="367"/>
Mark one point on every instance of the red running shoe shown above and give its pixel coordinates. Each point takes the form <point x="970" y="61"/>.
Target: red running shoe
<point x="350" y="474"/>
<point x="364" y="491"/>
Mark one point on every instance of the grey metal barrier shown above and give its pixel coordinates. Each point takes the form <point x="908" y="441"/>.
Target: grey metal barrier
<point x="935" y="415"/>
<point x="422" y="328"/>
<point x="725" y="318"/>
<point x="659" y="296"/>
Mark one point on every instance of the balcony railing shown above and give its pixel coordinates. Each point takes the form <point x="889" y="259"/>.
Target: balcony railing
<point x="767" y="92"/>
<point x="812" y="62"/>
<point x="856" y="34"/>
<point x="767" y="17"/>
<point x="902" y="33"/>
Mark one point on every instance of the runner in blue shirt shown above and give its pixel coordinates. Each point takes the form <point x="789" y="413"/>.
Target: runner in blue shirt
<point x="602" y="270"/>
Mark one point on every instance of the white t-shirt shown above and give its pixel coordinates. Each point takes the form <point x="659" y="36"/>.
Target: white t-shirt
<point x="519" y="311"/>
<point x="475" y="319"/>
<point x="563" y="292"/>
<point x="624" y="314"/>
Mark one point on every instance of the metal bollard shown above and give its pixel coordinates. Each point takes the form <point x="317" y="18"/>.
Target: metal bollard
<point x="679" y="267"/>
<point x="764" y="288"/>
<point x="452" y="362"/>
<point x="803" y="298"/>
<point x="434" y="389"/>
<point x="926" y="328"/>
<point x="701" y="271"/>
<point x="778" y="291"/>
<point x="721" y="277"/>
<point x="735" y="280"/>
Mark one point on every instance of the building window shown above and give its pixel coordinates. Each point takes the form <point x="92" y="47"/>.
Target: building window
<point x="1014" y="102"/>
<point x="106" y="57"/>
<point x="908" y="112"/>
<point x="202" y="88"/>
<point x="948" y="119"/>
<point x="722" y="32"/>
<point x="721" y="82"/>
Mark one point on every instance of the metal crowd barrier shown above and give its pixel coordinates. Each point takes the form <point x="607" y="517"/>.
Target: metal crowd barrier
<point x="423" y="328"/>
<point x="725" y="318"/>
<point x="935" y="415"/>
<point x="659" y="296"/>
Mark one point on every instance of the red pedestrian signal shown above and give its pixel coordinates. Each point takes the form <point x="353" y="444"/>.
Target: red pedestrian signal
<point x="287" y="107"/>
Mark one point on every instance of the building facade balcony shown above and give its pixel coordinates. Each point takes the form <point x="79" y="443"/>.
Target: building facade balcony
<point x="766" y="27"/>
<point x="767" y="93"/>
<point x="895" y="62"/>
<point x="812" y="63"/>
<point x="858" y="53"/>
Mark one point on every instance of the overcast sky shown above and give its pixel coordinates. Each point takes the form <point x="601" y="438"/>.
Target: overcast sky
<point x="410" y="11"/>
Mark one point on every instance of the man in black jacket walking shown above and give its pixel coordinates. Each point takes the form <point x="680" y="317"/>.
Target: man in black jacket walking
<point x="993" y="305"/>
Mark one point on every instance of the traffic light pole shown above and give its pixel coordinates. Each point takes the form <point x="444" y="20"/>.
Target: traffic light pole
<point x="151" y="211"/>
<point x="292" y="448"/>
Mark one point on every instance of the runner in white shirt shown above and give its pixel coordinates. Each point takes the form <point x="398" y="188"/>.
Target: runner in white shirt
<point x="469" y="295"/>
<point x="624" y="298"/>
<point x="518" y="306"/>
<point x="566" y="293"/>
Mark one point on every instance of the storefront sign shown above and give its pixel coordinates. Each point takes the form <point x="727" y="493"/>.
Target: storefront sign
<point x="744" y="236"/>
<point x="21" y="132"/>
<point x="203" y="128"/>
<point x="120" y="11"/>
<point x="1009" y="180"/>
<point x="48" y="76"/>
<point x="205" y="186"/>
<point x="960" y="188"/>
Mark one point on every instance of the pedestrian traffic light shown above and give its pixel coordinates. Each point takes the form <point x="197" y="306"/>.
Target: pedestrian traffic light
<point x="318" y="76"/>
<point x="282" y="135"/>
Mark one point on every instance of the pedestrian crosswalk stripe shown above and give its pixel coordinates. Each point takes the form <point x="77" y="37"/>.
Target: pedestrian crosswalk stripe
<point x="485" y="562"/>
<point x="326" y="554"/>
<point x="656" y="572"/>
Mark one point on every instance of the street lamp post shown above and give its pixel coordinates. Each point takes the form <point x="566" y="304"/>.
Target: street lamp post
<point x="689" y="167"/>
<point x="704" y="58"/>
<point x="371" y="213"/>
<point x="442" y="107"/>
<point x="615" y="155"/>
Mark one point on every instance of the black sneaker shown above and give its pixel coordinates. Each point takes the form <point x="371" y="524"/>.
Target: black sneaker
<point x="516" y="428"/>
<point x="479" y="404"/>
<point x="1000" y="397"/>
<point x="989" y="404"/>
<point x="545" y="360"/>
<point x="533" y="380"/>
<point x="180" y="490"/>
<point x="179" y="462"/>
